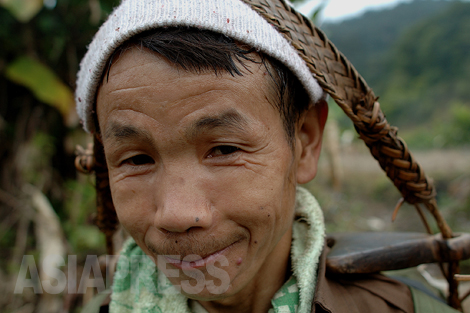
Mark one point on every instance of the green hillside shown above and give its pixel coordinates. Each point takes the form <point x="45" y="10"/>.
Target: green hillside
<point x="367" y="40"/>
<point x="416" y="56"/>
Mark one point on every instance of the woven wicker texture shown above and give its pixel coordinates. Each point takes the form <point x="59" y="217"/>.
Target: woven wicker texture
<point x="340" y="79"/>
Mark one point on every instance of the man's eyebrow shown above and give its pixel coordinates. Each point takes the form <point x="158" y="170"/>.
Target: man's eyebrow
<point x="231" y="120"/>
<point x="120" y="132"/>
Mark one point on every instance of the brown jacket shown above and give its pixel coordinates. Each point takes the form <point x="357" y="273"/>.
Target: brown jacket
<point x="359" y="293"/>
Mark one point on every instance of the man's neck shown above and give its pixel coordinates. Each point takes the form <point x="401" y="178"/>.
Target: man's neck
<point x="257" y="295"/>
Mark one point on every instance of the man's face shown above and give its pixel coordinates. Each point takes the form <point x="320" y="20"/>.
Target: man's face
<point x="199" y="165"/>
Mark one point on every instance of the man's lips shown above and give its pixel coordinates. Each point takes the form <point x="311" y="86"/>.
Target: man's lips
<point x="192" y="261"/>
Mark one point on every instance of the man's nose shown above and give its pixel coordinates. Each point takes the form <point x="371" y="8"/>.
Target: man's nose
<point x="182" y="204"/>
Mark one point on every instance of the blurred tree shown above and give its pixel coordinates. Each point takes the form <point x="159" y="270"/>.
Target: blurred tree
<point x="415" y="57"/>
<point x="23" y="10"/>
<point x="369" y="39"/>
<point x="41" y="43"/>
<point x="430" y="67"/>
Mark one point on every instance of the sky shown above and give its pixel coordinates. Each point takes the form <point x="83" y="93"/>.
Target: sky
<point x="337" y="10"/>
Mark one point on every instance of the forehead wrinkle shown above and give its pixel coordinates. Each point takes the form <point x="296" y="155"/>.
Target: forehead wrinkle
<point x="229" y="120"/>
<point x="117" y="90"/>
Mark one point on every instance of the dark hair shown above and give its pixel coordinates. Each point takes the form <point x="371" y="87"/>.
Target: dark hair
<point x="198" y="50"/>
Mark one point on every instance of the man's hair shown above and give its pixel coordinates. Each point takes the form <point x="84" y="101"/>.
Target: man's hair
<point x="199" y="51"/>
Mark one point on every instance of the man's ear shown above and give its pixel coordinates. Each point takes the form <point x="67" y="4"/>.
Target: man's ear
<point x="309" y="140"/>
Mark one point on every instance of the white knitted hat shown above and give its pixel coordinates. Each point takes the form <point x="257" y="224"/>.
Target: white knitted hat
<point x="232" y="18"/>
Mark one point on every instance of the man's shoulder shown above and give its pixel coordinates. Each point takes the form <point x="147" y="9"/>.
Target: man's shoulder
<point x="369" y="293"/>
<point x="362" y="293"/>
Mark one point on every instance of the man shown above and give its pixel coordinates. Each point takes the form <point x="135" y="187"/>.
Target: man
<point x="208" y="119"/>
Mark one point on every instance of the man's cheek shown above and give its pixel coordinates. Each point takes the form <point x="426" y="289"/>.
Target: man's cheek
<point x="131" y="211"/>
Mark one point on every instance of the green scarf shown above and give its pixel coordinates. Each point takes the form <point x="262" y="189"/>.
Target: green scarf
<point x="139" y="287"/>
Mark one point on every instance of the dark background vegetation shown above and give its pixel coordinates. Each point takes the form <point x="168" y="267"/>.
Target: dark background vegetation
<point x="416" y="57"/>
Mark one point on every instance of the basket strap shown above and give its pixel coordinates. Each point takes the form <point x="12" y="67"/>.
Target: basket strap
<point x="342" y="82"/>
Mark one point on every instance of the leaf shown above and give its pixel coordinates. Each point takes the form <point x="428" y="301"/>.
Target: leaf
<point x="43" y="82"/>
<point x="22" y="10"/>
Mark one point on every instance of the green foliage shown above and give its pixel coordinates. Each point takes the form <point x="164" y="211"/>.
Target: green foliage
<point x="86" y="239"/>
<point x="367" y="41"/>
<point x="446" y="130"/>
<point x="431" y="66"/>
<point x="43" y="82"/>
<point x="416" y="59"/>
<point x="458" y="130"/>
<point x="23" y="10"/>
<point x="35" y="159"/>
<point x="41" y="47"/>
<point x="80" y="199"/>
<point x="79" y="207"/>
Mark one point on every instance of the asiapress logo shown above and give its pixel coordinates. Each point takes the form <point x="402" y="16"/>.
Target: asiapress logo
<point x="57" y="274"/>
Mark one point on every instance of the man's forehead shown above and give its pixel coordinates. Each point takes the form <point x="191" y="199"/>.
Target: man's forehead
<point x="138" y="58"/>
<point x="229" y="121"/>
<point x="135" y="64"/>
<point x="242" y="24"/>
<point x="149" y="77"/>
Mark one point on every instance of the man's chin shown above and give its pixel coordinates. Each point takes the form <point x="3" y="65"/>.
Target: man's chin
<point x="203" y="287"/>
<point x="206" y="295"/>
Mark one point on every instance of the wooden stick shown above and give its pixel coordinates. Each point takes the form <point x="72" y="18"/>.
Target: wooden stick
<point x="423" y="218"/>
<point x="461" y="277"/>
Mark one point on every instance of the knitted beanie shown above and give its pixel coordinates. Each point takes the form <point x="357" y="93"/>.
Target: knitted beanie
<point x="233" y="18"/>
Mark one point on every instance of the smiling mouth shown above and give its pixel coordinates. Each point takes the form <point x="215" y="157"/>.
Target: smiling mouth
<point x="191" y="262"/>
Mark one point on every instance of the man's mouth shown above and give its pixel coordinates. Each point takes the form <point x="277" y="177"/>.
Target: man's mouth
<point x="193" y="261"/>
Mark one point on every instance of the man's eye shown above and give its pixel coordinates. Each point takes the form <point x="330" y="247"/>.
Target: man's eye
<point x="140" y="159"/>
<point x="222" y="150"/>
